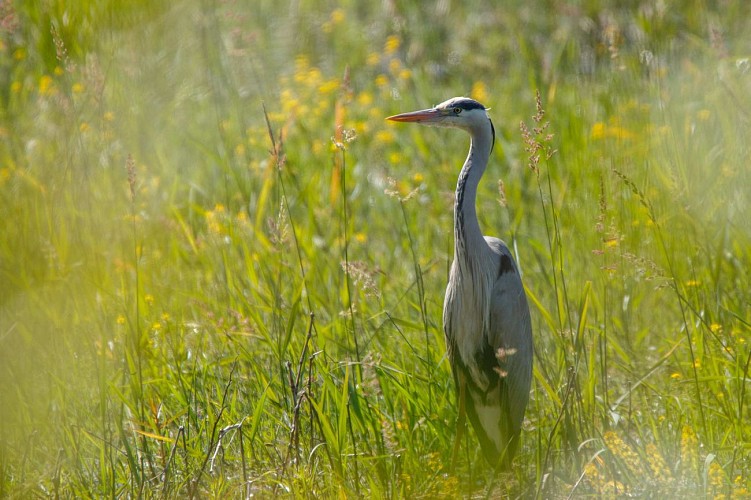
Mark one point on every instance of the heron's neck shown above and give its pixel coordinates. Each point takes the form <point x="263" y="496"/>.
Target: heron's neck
<point x="468" y="239"/>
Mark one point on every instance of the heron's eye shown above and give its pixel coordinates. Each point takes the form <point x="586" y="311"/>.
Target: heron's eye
<point x="457" y="111"/>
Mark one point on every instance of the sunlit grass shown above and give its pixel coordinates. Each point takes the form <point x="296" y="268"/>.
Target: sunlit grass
<point x="222" y="271"/>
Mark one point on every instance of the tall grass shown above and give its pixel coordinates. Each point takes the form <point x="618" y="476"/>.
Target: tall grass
<point x="222" y="272"/>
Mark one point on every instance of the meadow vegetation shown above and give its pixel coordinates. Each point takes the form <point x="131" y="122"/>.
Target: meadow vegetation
<point x="222" y="271"/>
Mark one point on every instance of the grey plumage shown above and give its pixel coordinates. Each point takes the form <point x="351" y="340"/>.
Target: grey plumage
<point x="486" y="318"/>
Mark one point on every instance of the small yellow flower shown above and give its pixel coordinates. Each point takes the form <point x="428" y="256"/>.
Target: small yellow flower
<point x="59" y="71"/>
<point x="676" y="376"/>
<point x="598" y="130"/>
<point x="365" y="98"/>
<point x="418" y="177"/>
<point x="361" y="237"/>
<point x="109" y="116"/>
<point x="715" y="328"/>
<point x="328" y="86"/>
<point x="617" y="132"/>
<point x="393" y="43"/>
<point x="149" y="299"/>
<point x="395" y="66"/>
<point x="15" y="87"/>
<point x="624" y="451"/>
<point x="45" y="85"/>
<point x="337" y="16"/>
<point x="165" y="316"/>
<point x="660" y="470"/>
<point x="156" y="326"/>
<point x="693" y="283"/>
<point x="373" y="59"/>
<point x="120" y="320"/>
<point x="19" y="54"/>
<point x="84" y="127"/>
<point x="479" y="92"/>
<point x="382" y="80"/>
<point x="689" y="452"/>
<point x="384" y="136"/>
<point x="77" y="88"/>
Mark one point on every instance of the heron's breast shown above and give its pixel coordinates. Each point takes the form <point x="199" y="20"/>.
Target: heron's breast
<point x="466" y="317"/>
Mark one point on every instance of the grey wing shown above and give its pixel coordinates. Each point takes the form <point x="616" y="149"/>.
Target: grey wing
<point x="511" y="329"/>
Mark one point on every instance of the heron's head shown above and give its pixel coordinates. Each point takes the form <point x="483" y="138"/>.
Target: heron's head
<point x="457" y="112"/>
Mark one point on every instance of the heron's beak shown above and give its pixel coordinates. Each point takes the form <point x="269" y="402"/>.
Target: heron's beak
<point x="424" y="115"/>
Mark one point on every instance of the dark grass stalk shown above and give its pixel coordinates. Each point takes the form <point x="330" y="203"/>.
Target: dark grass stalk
<point x="298" y="395"/>
<point x="170" y="461"/>
<point x="356" y="479"/>
<point x="214" y="439"/>
<point x="422" y="298"/>
<point x="345" y="251"/>
<point x="246" y="479"/>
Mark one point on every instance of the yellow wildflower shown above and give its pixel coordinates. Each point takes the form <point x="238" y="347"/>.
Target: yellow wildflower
<point x="395" y="66"/>
<point x="373" y="59"/>
<point x="381" y="80"/>
<point x="689" y="453"/>
<point x="716" y="476"/>
<point x="660" y="471"/>
<point x="384" y="136"/>
<point x="479" y="92"/>
<point x="365" y="98"/>
<point x="393" y="43"/>
<point x="598" y="130"/>
<point x="45" y="85"/>
<point x="337" y="16"/>
<point x="623" y="450"/>
<point x="328" y="86"/>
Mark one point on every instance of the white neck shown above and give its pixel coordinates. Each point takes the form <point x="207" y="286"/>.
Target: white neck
<point x="468" y="238"/>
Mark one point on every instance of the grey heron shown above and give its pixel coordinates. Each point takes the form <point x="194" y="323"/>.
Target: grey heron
<point x="486" y="318"/>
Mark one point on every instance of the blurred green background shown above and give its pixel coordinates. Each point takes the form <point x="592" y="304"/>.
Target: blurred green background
<point x="206" y="224"/>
